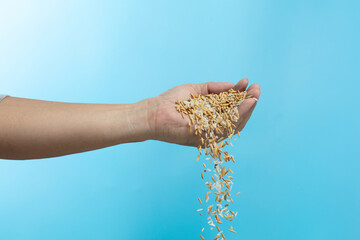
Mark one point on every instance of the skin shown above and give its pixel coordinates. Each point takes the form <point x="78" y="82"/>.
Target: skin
<point x="34" y="129"/>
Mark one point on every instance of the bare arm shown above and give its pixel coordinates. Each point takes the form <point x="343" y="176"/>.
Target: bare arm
<point x="39" y="129"/>
<point x="32" y="129"/>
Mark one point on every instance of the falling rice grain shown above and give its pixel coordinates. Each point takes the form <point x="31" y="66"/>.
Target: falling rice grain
<point x="232" y="230"/>
<point x="212" y="115"/>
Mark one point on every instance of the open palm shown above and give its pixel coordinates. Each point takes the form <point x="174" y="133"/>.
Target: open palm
<point x="168" y="124"/>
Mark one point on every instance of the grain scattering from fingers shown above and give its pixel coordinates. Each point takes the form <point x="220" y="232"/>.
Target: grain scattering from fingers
<point x="213" y="118"/>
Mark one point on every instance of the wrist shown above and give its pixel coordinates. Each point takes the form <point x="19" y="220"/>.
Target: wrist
<point x="126" y="123"/>
<point x="145" y="119"/>
<point x="148" y="109"/>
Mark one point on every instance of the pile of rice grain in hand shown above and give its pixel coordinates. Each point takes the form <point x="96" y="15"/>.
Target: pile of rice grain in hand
<point x="213" y="117"/>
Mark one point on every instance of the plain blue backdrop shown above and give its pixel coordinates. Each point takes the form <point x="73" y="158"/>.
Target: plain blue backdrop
<point x="298" y="159"/>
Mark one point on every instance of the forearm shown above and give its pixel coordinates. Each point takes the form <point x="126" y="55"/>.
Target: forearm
<point x="31" y="129"/>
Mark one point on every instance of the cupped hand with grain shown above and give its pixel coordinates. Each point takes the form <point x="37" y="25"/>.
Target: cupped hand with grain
<point x="167" y="124"/>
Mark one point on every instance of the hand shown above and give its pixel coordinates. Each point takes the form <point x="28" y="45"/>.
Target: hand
<point x="167" y="124"/>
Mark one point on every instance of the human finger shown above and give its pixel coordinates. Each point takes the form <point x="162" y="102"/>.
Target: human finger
<point x="242" y="84"/>
<point x="215" y="87"/>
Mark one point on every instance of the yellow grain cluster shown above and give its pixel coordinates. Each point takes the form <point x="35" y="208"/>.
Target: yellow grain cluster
<point x="213" y="118"/>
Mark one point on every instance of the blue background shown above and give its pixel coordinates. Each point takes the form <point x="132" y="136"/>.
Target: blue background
<point x="297" y="160"/>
